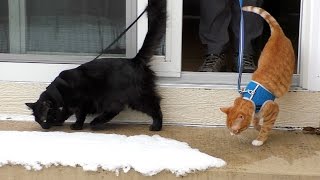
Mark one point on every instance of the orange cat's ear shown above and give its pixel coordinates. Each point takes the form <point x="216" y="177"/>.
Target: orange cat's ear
<point x="225" y="110"/>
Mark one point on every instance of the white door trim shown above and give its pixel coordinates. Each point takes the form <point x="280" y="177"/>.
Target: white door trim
<point x="310" y="45"/>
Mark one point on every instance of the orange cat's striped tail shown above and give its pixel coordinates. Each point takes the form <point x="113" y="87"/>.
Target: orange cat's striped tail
<point x="274" y="25"/>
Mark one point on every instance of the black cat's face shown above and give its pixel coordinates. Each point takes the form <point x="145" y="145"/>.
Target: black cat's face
<point x="43" y="112"/>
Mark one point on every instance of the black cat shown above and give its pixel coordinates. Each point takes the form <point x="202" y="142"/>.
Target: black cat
<point x="105" y="86"/>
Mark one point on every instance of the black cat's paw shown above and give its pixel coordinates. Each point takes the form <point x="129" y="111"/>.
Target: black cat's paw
<point x="76" y="126"/>
<point x="155" y="128"/>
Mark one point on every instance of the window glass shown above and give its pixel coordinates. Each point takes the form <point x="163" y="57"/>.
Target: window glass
<point x="74" y="26"/>
<point x="62" y="26"/>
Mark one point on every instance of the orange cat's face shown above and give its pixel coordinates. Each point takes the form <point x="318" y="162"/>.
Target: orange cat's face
<point x="239" y="116"/>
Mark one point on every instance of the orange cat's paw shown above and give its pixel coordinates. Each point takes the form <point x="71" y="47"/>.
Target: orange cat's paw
<point x="257" y="143"/>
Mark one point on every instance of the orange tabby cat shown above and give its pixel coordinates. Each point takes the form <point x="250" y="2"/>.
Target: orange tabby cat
<point x="273" y="76"/>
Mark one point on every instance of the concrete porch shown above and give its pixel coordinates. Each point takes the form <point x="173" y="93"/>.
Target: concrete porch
<point x="287" y="154"/>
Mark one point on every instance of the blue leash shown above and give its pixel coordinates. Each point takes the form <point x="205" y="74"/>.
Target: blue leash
<point x="241" y="46"/>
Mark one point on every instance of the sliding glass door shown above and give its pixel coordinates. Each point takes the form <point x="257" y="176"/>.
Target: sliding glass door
<point x="45" y="36"/>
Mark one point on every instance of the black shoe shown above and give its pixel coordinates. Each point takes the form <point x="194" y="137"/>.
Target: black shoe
<point x="213" y="63"/>
<point x="248" y="64"/>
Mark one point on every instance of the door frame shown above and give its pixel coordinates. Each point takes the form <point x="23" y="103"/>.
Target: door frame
<point x="309" y="48"/>
<point x="170" y="64"/>
<point x="308" y="70"/>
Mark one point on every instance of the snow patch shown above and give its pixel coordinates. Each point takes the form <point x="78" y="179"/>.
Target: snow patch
<point x="148" y="155"/>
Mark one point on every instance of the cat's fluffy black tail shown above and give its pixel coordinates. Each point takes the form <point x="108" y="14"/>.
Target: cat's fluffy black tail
<point x="157" y="15"/>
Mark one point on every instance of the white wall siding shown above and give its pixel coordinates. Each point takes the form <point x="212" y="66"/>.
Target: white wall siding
<point x="188" y="106"/>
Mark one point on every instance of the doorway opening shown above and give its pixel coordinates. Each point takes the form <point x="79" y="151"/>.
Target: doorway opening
<point x="286" y="12"/>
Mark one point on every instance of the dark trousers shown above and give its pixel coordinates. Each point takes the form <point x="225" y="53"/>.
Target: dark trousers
<point x="219" y="17"/>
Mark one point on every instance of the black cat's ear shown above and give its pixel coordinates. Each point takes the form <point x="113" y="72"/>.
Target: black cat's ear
<point x="30" y="105"/>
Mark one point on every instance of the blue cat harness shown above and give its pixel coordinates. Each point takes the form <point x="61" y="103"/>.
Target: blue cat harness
<point x="257" y="94"/>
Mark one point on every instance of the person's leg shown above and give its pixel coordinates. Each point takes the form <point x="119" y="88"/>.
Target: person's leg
<point x="253" y="28"/>
<point x="215" y="16"/>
